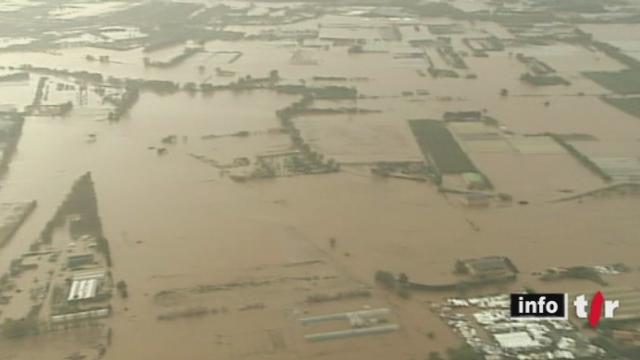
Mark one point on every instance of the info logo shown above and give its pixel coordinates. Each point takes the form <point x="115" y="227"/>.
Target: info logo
<point x="554" y="306"/>
<point x="539" y="306"/>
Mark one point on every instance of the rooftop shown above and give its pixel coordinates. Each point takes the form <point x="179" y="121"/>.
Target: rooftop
<point x="516" y="340"/>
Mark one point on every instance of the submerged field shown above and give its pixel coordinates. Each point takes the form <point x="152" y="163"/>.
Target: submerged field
<point x="622" y="82"/>
<point x="436" y="142"/>
<point x="629" y="105"/>
<point x="272" y="173"/>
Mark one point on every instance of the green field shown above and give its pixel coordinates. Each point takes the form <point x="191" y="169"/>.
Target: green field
<point x="621" y="82"/>
<point x="436" y="142"/>
<point x="629" y="105"/>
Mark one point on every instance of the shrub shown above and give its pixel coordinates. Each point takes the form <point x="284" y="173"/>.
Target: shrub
<point x="385" y="278"/>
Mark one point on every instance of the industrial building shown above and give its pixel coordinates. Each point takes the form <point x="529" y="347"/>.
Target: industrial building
<point x="519" y="340"/>
<point x="74" y="261"/>
<point x="83" y="290"/>
<point x="78" y="316"/>
<point x="491" y="331"/>
<point x="362" y="322"/>
<point x="85" y="286"/>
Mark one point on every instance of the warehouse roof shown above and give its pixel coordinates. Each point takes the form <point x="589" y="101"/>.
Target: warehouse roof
<point x="516" y="340"/>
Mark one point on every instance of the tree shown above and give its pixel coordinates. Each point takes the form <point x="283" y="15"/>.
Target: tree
<point x="465" y="352"/>
<point x="274" y="76"/>
<point x="333" y="165"/>
<point x="504" y="92"/>
<point x="122" y="289"/>
<point x="19" y="328"/>
<point x="460" y="267"/>
<point x="385" y="278"/>
<point x="403" y="278"/>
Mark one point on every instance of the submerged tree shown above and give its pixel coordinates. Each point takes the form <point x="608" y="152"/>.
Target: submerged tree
<point x="274" y="76"/>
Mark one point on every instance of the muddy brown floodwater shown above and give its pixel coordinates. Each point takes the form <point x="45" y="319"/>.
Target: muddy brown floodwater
<point x="184" y="236"/>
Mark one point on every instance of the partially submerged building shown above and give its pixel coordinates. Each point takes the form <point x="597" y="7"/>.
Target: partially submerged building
<point x="361" y="323"/>
<point x="75" y="261"/>
<point x="474" y="181"/>
<point x="519" y="340"/>
<point x="477" y="200"/>
<point x="490" y="267"/>
<point x="85" y="286"/>
<point x="83" y="289"/>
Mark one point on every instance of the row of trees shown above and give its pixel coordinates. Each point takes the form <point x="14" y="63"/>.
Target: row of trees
<point x="309" y="159"/>
<point x="80" y="201"/>
<point x="585" y="160"/>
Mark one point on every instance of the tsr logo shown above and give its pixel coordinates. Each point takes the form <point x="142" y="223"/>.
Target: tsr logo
<point x="595" y="309"/>
<point x="554" y="306"/>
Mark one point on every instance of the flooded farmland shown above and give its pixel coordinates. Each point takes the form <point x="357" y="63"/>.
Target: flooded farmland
<point x="317" y="180"/>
